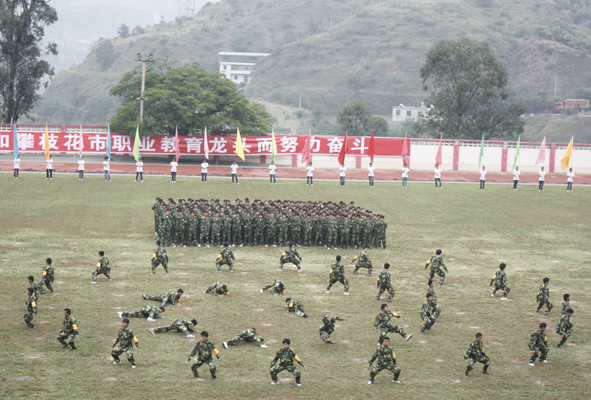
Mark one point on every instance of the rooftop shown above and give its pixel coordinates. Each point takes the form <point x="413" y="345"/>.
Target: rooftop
<point x="239" y="54"/>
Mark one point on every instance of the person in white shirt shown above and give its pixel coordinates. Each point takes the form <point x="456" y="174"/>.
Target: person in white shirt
<point x="405" y="175"/>
<point x="234" y="168"/>
<point x="343" y="170"/>
<point x="542" y="178"/>
<point x="437" y="177"/>
<point x="139" y="170"/>
<point x="204" y="166"/>
<point x="569" y="182"/>
<point x="310" y="175"/>
<point x="107" y="169"/>
<point x="17" y="162"/>
<point x="49" y="168"/>
<point x="272" y="169"/>
<point x="370" y="174"/>
<point x="516" y="174"/>
<point x="482" y="178"/>
<point x="173" y="166"/>
<point x="81" y="163"/>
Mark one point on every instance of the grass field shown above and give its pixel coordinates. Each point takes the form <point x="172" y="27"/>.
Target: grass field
<point x="536" y="234"/>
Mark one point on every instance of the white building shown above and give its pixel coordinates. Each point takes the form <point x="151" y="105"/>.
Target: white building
<point x="237" y="66"/>
<point x="402" y="112"/>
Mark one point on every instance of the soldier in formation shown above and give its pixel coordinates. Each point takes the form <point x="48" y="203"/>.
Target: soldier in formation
<point x="543" y="297"/>
<point x="327" y="328"/>
<point x="538" y="344"/>
<point x="284" y="360"/>
<point x="210" y="223"/>
<point x="384" y="284"/>
<point x="31" y="304"/>
<point x="179" y="325"/>
<point x="436" y="308"/>
<point x="277" y="286"/>
<point x="500" y="282"/>
<point x="296" y="307"/>
<point x="124" y="344"/>
<point x="48" y="275"/>
<point x="564" y="326"/>
<point x="148" y="312"/>
<point x="166" y="298"/>
<point x="225" y="258"/>
<point x="159" y="257"/>
<point x="102" y="267"/>
<point x="69" y="330"/>
<point x="337" y="274"/>
<point x="247" y="335"/>
<point x="205" y="350"/>
<point x="217" y="289"/>
<point x="474" y="354"/>
<point x="437" y="267"/>
<point x="383" y="322"/>
<point x="427" y="314"/>
<point x="386" y="359"/>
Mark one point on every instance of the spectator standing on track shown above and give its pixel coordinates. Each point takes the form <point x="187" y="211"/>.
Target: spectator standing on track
<point x="569" y="182"/>
<point x="482" y="178"/>
<point x="204" y="166"/>
<point x="370" y="173"/>
<point x="542" y="178"/>
<point x="81" y="163"/>
<point x="405" y="171"/>
<point x="437" y="177"/>
<point x="107" y="169"/>
<point x="516" y="174"/>
<point x="17" y="162"/>
<point x="173" y="166"/>
<point x="49" y="169"/>
<point x="139" y="170"/>
<point x="310" y="175"/>
<point x="272" y="169"/>
<point x="343" y="170"/>
<point x="234" y="168"/>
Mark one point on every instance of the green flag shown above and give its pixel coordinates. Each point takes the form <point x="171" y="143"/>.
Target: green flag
<point x="481" y="151"/>
<point x="273" y="145"/>
<point x="516" y="152"/>
<point x="136" y="144"/>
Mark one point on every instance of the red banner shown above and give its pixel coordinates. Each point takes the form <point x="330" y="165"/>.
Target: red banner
<point x="193" y="145"/>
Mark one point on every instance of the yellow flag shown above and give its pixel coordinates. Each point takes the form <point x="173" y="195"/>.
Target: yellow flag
<point x="565" y="161"/>
<point x="239" y="149"/>
<point x="46" y="143"/>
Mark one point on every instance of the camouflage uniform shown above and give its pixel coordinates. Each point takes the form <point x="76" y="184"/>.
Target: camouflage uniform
<point x="565" y="306"/>
<point x="543" y="298"/>
<point x="159" y="257"/>
<point x="37" y="289"/>
<point x="563" y="328"/>
<point x="145" y="311"/>
<point x="285" y="359"/>
<point x="290" y="255"/>
<point x="124" y="344"/>
<point x="192" y="230"/>
<point x="248" y="335"/>
<point x="385" y="284"/>
<point x="328" y="327"/>
<point x="170" y="297"/>
<point x="427" y="314"/>
<point x="386" y="360"/>
<point x="337" y="274"/>
<point x="383" y="321"/>
<point x="500" y="282"/>
<point x="204" y="231"/>
<point x="47" y="279"/>
<point x="225" y="258"/>
<point x="216" y="289"/>
<point x="436" y="263"/>
<point x="436" y="308"/>
<point x="215" y="231"/>
<point x="69" y="332"/>
<point x="539" y="345"/>
<point x="275" y="286"/>
<point x="102" y="267"/>
<point x="205" y="352"/>
<point x="297" y="307"/>
<point x="474" y="354"/>
<point x="180" y="325"/>
<point x="363" y="261"/>
<point x="31" y="304"/>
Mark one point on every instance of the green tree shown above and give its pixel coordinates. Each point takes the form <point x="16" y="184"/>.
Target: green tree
<point x="357" y="120"/>
<point x="21" y="67"/>
<point x="105" y="53"/>
<point x="123" y="31"/>
<point x="188" y="97"/>
<point x="467" y="93"/>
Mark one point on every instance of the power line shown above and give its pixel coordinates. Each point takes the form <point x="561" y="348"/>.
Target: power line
<point x="186" y="7"/>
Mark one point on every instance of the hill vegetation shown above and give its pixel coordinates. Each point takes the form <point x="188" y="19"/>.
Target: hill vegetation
<point x="333" y="52"/>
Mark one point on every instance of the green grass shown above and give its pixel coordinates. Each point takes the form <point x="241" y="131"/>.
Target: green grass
<point x="536" y="234"/>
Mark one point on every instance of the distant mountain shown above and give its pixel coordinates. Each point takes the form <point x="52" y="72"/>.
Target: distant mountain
<point x="333" y="52"/>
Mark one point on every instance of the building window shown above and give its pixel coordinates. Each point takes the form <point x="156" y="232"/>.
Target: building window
<point x="235" y="77"/>
<point x="398" y="112"/>
<point x="420" y="113"/>
<point x="240" y="68"/>
<point x="408" y="114"/>
<point x="225" y="66"/>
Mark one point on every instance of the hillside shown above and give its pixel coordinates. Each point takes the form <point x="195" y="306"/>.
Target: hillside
<point x="334" y="52"/>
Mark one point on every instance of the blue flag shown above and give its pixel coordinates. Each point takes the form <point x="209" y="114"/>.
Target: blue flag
<point x="109" y="141"/>
<point x="15" y="144"/>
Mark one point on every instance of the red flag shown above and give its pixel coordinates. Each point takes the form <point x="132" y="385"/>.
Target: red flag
<point x="438" y="156"/>
<point x="372" y="149"/>
<point x="343" y="150"/>
<point x="176" y="144"/>
<point x="405" y="158"/>
<point x="306" y="150"/>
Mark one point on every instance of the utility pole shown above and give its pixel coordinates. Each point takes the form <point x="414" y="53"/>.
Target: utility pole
<point x="144" y="61"/>
<point x="186" y="6"/>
